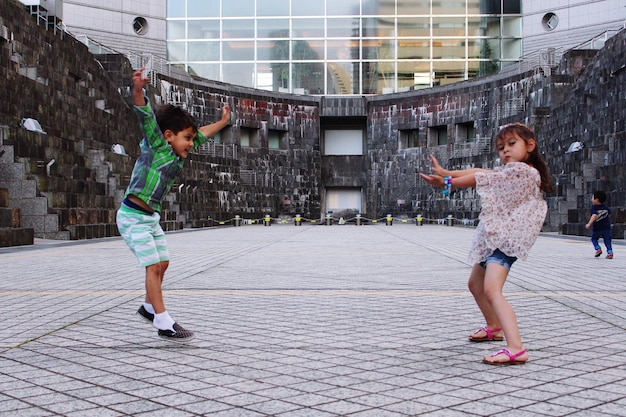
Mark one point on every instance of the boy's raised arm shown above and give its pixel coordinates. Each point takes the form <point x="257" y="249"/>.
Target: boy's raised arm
<point x="138" y="84"/>
<point x="211" y="129"/>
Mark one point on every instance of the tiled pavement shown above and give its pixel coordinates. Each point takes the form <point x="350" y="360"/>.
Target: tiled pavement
<point x="308" y="321"/>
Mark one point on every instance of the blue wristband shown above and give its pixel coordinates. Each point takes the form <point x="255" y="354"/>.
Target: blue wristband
<point x="447" y="186"/>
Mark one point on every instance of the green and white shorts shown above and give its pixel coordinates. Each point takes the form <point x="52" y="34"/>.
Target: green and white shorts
<point x="143" y="235"/>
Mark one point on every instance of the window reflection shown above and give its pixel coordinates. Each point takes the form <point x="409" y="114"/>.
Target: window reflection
<point x="175" y="29"/>
<point x="307" y="8"/>
<point x="238" y="50"/>
<point x="343" y="7"/>
<point x="204" y="51"/>
<point x="272" y="28"/>
<point x="236" y="8"/>
<point x="200" y="8"/>
<point x="343" y="77"/>
<point x="308" y="78"/>
<point x="272" y="7"/>
<point x="203" y="29"/>
<point x="343" y="46"/>
<point x="342" y="28"/>
<point x="239" y="73"/>
<point x="308" y="28"/>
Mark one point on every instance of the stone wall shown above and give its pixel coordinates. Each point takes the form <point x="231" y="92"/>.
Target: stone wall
<point x="67" y="183"/>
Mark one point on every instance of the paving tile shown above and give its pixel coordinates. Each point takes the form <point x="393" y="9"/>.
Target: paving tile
<point x="311" y="321"/>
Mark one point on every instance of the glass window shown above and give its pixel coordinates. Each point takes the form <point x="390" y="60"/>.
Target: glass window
<point x="406" y="7"/>
<point x="491" y="7"/>
<point x="413" y="26"/>
<point x="238" y="8"/>
<point x="209" y="71"/>
<point x="175" y="8"/>
<point x="475" y="26"/>
<point x="239" y="74"/>
<point x="265" y="77"/>
<point x="343" y="28"/>
<point x="448" y="72"/>
<point x="203" y="29"/>
<point x="238" y="28"/>
<point x="272" y="50"/>
<point x="511" y="48"/>
<point x="449" y="7"/>
<point x="512" y="7"/>
<point x="238" y="50"/>
<point x="308" y="78"/>
<point x="302" y="50"/>
<point x="378" y="77"/>
<point x="449" y="48"/>
<point x="342" y="49"/>
<point x="272" y="7"/>
<point x="342" y="7"/>
<point x="448" y="26"/>
<point x="175" y="29"/>
<point x="175" y="51"/>
<point x="203" y="51"/>
<point x="512" y="26"/>
<point x="490" y="26"/>
<point x="414" y="49"/>
<point x="307" y="8"/>
<point x="308" y="28"/>
<point x="474" y="48"/>
<point x="272" y="28"/>
<point x="379" y="27"/>
<point x="378" y="49"/>
<point x="413" y="74"/>
<point x="201" y="8"/>
<point x="473" y="6"/>
<point x="343" y="78"/>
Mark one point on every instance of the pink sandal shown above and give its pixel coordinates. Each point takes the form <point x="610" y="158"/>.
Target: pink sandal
<point x="489" y="337"/>
<point x="512" y="358"/>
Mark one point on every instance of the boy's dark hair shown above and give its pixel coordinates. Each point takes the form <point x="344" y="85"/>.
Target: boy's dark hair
<point x="174" y="118"/>
<point x="600" y="195"/>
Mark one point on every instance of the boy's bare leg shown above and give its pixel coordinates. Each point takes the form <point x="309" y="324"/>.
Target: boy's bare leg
<point x="154" y="282"/>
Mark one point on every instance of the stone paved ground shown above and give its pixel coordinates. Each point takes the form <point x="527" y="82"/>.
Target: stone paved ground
<point x="308" y="321"/>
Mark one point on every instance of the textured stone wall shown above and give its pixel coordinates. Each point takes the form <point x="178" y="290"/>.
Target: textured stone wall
<point x="67" y="184"/>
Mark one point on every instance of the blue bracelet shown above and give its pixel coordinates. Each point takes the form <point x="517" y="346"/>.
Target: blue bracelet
<point x="447" y="184"/>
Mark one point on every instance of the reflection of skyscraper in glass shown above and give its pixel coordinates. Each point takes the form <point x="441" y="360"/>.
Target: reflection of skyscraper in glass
<point x="346" y="46"/>
<point x="340" y="47"/>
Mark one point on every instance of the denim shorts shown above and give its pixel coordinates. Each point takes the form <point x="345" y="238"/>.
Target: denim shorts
<point x="500" y="258"/>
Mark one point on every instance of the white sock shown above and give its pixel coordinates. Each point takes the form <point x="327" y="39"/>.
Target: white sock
<point x="148" y="307"/>
<point x="163" y="321"/>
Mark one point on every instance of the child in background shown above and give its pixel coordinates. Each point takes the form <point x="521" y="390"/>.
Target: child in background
<point x="169" y="136"/>
<point x="601" y="224"/>
<point x="513" y="212"/>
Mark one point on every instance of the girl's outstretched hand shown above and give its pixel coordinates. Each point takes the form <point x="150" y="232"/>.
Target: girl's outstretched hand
<point x="433" y="179"/>
<point x="437" y="169"/>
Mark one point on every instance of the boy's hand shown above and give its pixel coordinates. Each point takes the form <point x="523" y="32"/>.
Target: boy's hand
<point x="139" y="82"/>
<point x="226" y="113"/>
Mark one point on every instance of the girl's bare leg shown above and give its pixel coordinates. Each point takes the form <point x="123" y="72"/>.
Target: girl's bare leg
<point x="476" y="285"/>
<point x="495" y="277"/>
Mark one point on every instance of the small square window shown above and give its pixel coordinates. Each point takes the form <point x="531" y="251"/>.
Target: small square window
<point x="276" y="139"/>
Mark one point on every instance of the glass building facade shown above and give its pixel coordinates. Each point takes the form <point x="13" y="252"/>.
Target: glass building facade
<point x="343" y="47"/>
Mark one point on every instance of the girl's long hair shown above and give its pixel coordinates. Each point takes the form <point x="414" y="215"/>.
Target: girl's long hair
<point x="535" y="159"/>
